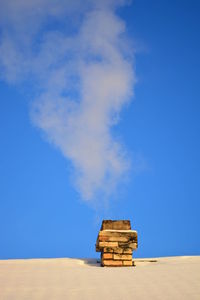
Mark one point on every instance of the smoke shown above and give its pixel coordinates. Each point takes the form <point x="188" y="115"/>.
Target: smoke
<point x="79" y="61"/>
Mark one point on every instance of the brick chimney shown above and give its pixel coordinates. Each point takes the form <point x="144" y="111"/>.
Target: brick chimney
<point x="116" y="242"/>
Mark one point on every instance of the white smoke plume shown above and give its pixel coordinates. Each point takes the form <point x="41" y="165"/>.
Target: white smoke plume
<point x="79" y="60"/>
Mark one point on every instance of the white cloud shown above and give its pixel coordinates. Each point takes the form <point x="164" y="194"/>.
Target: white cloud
<point x="84" y="77"/>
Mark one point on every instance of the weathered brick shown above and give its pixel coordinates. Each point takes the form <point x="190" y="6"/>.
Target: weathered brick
<point x="132" y="234"/>
<point x="107" y="256"/>
<point x="127" y="263"/>
<point x="107" y="249"/>
<point x="116" y="224"/>
<point x="122" y="256"/>
<point x="108" y="244"/>
<point x="113" y="238"/>
<point x="123" y="250"/>
<point x="128" y="245"/>
<point x="127" y="251"/>
<point x="112" y="263"/>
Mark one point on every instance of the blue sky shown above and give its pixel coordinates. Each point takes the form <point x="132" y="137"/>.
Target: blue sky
<point x="42" y="213"/>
